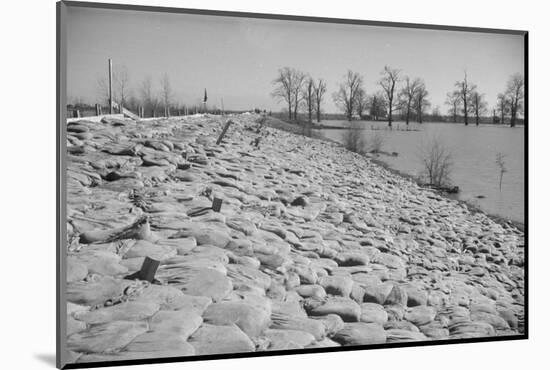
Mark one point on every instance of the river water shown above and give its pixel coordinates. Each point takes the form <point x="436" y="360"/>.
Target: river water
<point x="474" y="152"/>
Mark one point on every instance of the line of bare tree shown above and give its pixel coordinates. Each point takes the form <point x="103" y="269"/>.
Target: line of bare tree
<point x="298" y="89"/>
<point x="511" y="101"/>
<point x="154" y="98"/>
<point x="398" y="94"/>
<point x="466" y="101"/>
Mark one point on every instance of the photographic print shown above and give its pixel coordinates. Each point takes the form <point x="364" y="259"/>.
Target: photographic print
<point x="235" y="184"/>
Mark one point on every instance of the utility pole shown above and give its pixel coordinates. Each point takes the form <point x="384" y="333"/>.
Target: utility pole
<point x="110" y="86"/>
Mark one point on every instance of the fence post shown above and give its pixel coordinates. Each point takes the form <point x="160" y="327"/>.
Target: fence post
<point x="97" y="110"/>
<point x="76" y="113"/>
<point x="217" y="204"/>
<point x="147" y="271"/>
<point x="223" y="132"/>
<point x="111" y="111"/>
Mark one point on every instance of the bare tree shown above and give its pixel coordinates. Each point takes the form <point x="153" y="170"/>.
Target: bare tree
<point x="319" y="91"/>
<point x="479" y="105"/>
<point x="453" y="100"/>
<point x="284" y="86"/>
<point x="407" y="96"/>
<point x="299" y="80"/>
<point x="166" y="93"/>
<point x="501" y="168"/>
<point x="361" y="102"/>
<point x="150" y="101"/>
<point x="377" y="105"/>
<point x="464" y="90"/>
<point x="376" y="142"/>
<point x="353" y="138"/>
<point x="503" y="106"/>
<point x="437" y="162"/>
<point x="308" y="95"/>
<point x="421" y="101"/>
<point x="390" y="77"/>
<point x="122" y="81"/>
<point x="133" y="102"/>
<point x="515" y="91"/>
<point x="346" y="96"/>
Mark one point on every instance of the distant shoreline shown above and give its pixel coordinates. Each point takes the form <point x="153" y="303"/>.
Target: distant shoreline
<point x="320" y="126"/>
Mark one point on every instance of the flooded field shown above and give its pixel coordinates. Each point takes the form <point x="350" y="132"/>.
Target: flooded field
<point x="474" y="151"/>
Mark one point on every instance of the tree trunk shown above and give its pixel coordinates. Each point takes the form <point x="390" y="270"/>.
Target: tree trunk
<point x="289" y="111"/>
<point x="390" y="113"/>
<point x="465" y="110"/>
<point x="454" y="113"/>
<point x="318" y="112"/>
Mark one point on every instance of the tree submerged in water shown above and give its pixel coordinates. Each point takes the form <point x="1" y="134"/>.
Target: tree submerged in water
<point x="353" y="138"/>
<point x="376" y="142"/>
<point x="437" y="162"/>
<point x="502" y="168"/>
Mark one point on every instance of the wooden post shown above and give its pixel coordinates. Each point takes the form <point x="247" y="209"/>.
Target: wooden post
<point x="217" y="204"/>
<point x="98" y="110"/>
<point x="223" y="132"/>
<point x="111" y="111"/>
<point x="76" y="113"/>
<point x="147" y="271"/>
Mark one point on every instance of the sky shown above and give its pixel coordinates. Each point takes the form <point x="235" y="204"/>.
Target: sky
<point x="236" y="59"/>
